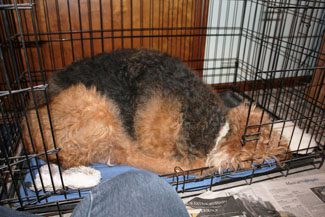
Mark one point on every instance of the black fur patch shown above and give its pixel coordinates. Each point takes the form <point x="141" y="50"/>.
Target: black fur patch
<point x="129" y="76"/>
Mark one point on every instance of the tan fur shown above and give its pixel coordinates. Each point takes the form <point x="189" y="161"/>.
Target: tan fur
<point x="158" y="129"/>
<point x="161" y="164"/>
<point x="158" y="126"/>
<point x="233" y="153"/>
<point x="88" y="129"/>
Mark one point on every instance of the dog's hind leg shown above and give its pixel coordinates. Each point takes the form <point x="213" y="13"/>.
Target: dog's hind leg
<point x="86" y="126"/>
<point x="158" y="126"/>
<point x="158" y="131"/>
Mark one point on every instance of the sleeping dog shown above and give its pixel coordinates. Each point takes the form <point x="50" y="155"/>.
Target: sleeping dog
<point x="144" y="109"/>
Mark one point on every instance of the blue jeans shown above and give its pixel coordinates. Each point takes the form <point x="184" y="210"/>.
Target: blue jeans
<point x="134" y="193"/>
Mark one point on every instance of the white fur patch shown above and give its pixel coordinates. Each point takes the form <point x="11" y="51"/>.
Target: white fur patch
<point x="221" y="160"/>
<point x="74" y="178"/>
<point x="222" y="133"/>
<point x="215" y="157"/>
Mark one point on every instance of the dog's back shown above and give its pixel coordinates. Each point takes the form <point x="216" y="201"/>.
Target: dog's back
<point x="160" y="101"/>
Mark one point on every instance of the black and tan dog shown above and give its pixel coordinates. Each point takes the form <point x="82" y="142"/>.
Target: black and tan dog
<point x="145" y="109"/>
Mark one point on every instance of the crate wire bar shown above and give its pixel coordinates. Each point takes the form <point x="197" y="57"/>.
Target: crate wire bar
<point x="266" y="52"/>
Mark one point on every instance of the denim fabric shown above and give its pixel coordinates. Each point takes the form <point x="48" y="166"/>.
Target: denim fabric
<point x="135" y="193"/>
<point x="7" y="212"/>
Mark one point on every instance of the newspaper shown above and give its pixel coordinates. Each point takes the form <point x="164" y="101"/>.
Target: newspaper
<point x="303" y="196"/>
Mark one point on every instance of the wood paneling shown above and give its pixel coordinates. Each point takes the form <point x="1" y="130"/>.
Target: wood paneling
<point x="75" y="29"/>
<point x="316" y="92"/>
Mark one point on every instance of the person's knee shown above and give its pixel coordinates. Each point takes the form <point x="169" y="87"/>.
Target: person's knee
<point x="144" y="179"/>
<point x="140" y="177"/>
<point x="135" y="191"/>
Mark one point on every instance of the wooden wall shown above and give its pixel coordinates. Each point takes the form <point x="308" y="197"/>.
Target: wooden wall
<point x="66" y="31"/>
<point x="316" y="92"/>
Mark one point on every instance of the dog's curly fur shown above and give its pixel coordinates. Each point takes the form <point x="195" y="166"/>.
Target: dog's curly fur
<point x="142" y="108"/>
<point x="231" y="153"/>
<point x="131" y="76"/>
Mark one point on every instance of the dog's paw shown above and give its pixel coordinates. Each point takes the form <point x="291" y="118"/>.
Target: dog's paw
<point x="221" y="161"/>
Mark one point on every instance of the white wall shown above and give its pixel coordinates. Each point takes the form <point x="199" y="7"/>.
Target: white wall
<point x="288" y="41"/>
